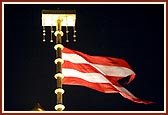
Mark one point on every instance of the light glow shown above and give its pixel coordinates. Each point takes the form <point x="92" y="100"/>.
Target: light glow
<point x="51" y="19"/>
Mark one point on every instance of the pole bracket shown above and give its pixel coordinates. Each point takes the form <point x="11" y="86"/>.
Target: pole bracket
<point x="59" y="90"/>
<point x="59" y="75"/>
<point x="60" y="107"/>
<point x="58" y="46"/>
<point x="59" y="60"/>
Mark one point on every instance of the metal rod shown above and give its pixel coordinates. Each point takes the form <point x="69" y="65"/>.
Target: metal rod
<point x="59" y="92"/>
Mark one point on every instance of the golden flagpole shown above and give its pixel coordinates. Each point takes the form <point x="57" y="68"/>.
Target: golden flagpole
<point x="59" y="18"/>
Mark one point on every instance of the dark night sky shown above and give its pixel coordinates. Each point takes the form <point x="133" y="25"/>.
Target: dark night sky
<point x="134" y="33"/>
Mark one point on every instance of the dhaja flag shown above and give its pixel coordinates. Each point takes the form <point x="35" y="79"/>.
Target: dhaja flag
<point x="98" y="73"/>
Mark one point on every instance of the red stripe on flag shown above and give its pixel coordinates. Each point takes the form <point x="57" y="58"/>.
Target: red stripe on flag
<point x="86" y="68"/>
<point x="102" y="87"/>
<point x="99" y="59"/>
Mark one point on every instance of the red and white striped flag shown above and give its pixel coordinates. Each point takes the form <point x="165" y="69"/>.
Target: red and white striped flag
<point x="97" y="72"/>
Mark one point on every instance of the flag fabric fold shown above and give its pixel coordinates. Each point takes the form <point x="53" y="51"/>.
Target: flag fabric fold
<point x="98" y="73"/>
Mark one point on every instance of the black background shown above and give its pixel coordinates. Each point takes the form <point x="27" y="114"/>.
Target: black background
<point x="133" y="32"/>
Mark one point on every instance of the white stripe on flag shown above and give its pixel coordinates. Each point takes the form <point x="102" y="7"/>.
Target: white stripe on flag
<point x="74" y="58"/>
<point x="123" y="90"/>
<point x="104" y="69"/>
<point x="114" y="70"/>
<point x="90" y="77"/>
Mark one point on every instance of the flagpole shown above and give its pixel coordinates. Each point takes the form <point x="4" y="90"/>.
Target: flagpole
<point x="59" y="18"/>
<point x="59" y="61"/>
